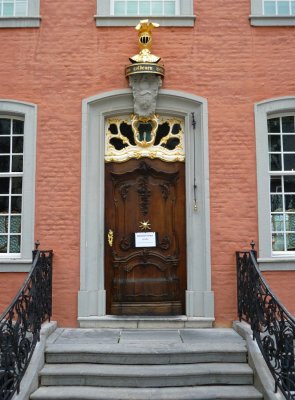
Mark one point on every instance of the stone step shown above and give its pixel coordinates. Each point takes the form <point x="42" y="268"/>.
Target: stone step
<point x="172" y="393"/>
<point x="146" y="375"/>
<point x="145" y="322"/>
<point x="139" y="354"/>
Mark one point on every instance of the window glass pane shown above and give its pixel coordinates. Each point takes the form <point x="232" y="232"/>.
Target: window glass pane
<point x="276" y="202"/>
<point x="289" y="183"/>
<point x="18" y="127"/>
<point x="4" y="204"/>
<point x="3" y="244"/>
<point x="273" y="125"/>
<point x="132" y="8"/>
<point x="290" y="222"/>
<point x="16" y="185"/>
<point x="290" y="202"/>
<point x="20" y="8"/>
<point x="269" y="8"/>
<point x="274" y="142"/>
<point x="169" y="8"/>
<point x="14" y="244"/>
<point x="275" y="184"/>
<point x="16" y="204"/>
<point x="277" y="222"/>
<point x="289" y="143"/>
<point x="288" y="124"/>
<point x="4" y="185"/>
<point x="275" y="163"/>
<point x="17" y="163"/>
<point x="289" y="162"/>
<point x="293" y="7"/>
<point x="119" y="8"/>
<point x="157" y="8"/>
<point x="4" y="144"/>
<point x="17" y="144"/>
<point x="3" y="224"/>
<point x="4" y="126"/>
<point x="278" y="242"/>
<point x="283" y="8"/>
<point x="4" y="163"/>
<point x="290" y="242"/>
<point x="15" y="224"/>
<point x="8" y="10"/>
<point x="144" y="8"/>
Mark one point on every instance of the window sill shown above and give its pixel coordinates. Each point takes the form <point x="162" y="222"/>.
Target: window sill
<point x="261" y="20"/>
<point x="15" y="265"/>
<point x="20" y="22"/>
<point x="277" y="264"/>
<point x="183" y="20"/>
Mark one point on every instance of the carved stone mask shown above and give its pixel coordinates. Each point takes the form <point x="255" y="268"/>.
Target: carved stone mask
<point x="145" y="88"/>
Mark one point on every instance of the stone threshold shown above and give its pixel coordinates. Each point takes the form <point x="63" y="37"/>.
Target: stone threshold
<point x="145" y="322"/>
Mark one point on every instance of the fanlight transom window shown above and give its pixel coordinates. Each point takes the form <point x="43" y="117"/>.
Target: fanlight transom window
<point x="154" y="137"/>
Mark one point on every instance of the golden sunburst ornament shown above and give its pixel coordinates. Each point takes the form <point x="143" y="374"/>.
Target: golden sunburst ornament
<point x="145" y="225"/>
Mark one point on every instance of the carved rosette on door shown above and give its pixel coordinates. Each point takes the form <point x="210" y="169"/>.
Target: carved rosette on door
<point x="145" y="209"/>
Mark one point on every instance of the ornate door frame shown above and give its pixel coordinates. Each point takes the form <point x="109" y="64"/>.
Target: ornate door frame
<point x="91" y="297"/>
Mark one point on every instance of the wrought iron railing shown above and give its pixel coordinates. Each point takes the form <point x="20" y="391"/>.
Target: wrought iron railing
<point x="272" y="325"/>
<point x="20" y="324"/>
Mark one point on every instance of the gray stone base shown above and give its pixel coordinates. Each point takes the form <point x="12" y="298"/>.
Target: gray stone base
<point x="199" y="304"/>
<point x="91" y="303"/>
<point x="199" y="307"/>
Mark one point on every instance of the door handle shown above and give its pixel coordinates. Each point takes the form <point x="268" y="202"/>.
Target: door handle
<point x="110" y="237"/>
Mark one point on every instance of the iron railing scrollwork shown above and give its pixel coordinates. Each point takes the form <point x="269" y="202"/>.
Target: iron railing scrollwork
<point x="272" y="325"/>
<point x="20" y="324"/>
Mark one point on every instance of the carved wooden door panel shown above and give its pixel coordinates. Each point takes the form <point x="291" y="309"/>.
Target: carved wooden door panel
<point x="145" y="196"/>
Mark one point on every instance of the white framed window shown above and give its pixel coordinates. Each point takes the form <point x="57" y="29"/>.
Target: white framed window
<point x="11" y="184"/>
<point x="275" y="154"/>
<point x="14" y="8"/>
<point x="19" y="13"/>
<point x="281" y="151"/>
<point x="128" y="12"/>
<point x="278" y="7"/>
<point x="145" y="7"/>
<point x="272" y="12"/>
<point x="17" y="184"/>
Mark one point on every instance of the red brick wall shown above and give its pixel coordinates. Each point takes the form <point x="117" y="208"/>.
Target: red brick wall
<point x="223" y="59"/>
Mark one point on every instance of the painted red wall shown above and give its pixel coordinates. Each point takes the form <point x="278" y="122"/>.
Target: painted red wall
<point x="222" y="58"/>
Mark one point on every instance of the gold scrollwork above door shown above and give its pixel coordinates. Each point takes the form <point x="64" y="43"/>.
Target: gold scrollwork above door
<point x="136" y="137"/>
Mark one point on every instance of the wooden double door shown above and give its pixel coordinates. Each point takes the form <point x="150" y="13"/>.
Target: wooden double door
<point x="145" y="246"/>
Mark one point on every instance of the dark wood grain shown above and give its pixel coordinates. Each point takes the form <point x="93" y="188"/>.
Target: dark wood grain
<point x="149" y="280"/>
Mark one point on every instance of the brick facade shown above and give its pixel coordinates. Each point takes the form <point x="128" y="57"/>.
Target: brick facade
<point x="222" y="59"/>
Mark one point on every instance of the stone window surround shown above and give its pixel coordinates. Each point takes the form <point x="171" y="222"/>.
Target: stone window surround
<point x="92" y="293"/>
<point x="258" y="19"/>
<point x="103" y="17"/>
<point x="263" y="110"/>
<point x="27" y="111"/>
<point x="32" y="20"/>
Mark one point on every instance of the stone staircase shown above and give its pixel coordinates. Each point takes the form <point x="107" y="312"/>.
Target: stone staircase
<point x="146" y="364"/>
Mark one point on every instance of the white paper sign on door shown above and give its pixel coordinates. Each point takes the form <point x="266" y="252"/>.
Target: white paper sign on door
<point x="145" y="239"/>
